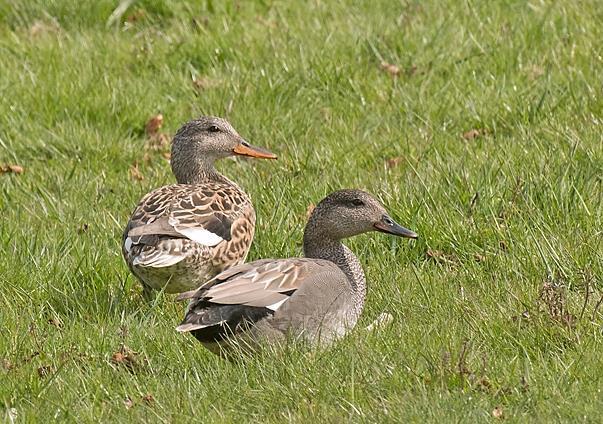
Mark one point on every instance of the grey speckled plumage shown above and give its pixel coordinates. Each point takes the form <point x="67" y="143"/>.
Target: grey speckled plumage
<point x="318" y="298"/>
<point x="182" y="235"/>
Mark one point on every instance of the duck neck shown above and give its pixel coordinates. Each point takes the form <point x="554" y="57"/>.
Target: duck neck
<point x="318" y="246"/>
<point x="198" y="172"/>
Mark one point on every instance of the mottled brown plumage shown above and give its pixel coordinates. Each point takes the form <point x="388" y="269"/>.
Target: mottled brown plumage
<point x="181" y="235"/>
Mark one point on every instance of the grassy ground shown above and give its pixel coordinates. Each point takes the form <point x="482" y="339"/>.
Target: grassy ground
<point x="483" y="136"/>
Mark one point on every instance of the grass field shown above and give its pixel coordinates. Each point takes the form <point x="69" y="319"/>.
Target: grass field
<point x="478" y="123"/>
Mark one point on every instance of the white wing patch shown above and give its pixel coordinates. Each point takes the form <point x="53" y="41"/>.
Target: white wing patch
<point x="278" y="304"/>
<point x="201" y="236"/>
<point x="158" y="261"/>
<point x="184" y="328"/>
<point x="128" y="244"/>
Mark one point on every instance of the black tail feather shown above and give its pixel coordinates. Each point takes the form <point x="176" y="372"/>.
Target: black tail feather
<point x="222" y="321"/>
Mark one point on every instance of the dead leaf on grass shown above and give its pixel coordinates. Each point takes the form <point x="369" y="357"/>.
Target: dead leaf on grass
<point x="135" y="173"/>
<point x="148" y="399"/>
<point x="154" y="124"/>
<point x="497" y="412"/>
<point x="524" y="316"/>
<point x="44" y="371"/>
<point x="137" y="15"/>
<point x="203" y="83"/>
<point x="156" y="142"/>
<point x="7" y="365"/>
<point x="393" y="162"/>
<point x="440" y="256"/>
<point x="167" y="155"/>
<point x="83" y="228"/>
<point x="128" y="402"/>
<point x="479" y="258"/>
<point x="472" y="134"/>
<point x="391" y="69"/>
<point x="484" y="384"/>
<point x="553" y="299"/>
<point x="55" y="322"/>
<point x="11" y="169"/>
<point x="128" y="359"/>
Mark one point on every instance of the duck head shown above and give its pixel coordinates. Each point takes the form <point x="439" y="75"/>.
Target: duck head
<point x="346" y="213"/>
<point x="200" y="142"/>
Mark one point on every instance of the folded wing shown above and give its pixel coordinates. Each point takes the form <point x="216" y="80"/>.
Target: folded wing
<point x="247" y="293"/>
<point x="205" y="217"/>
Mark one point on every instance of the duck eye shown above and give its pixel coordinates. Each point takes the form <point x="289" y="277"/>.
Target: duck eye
<point x="357" y="202"/>
<point x="213" y="128"/>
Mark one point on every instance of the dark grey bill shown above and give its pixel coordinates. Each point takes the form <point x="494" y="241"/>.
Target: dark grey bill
<point x="389" y="226"/>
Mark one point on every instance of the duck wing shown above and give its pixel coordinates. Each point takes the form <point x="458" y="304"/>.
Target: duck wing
<point x="249" y="292"/>
<point x="207" y="214"/>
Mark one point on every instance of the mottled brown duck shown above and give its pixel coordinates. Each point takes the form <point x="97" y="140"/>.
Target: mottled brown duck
<point x="183" y="234"/>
